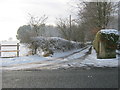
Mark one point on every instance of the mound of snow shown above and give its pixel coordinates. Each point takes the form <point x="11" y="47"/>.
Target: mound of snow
<point x="55" y="43"/>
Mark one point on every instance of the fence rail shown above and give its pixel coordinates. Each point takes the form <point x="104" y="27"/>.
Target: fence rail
<point x="17" y="51"/>
<point x="8" y="45"/>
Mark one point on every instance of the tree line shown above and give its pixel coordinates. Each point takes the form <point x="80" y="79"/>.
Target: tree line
<point x="91" y="17"/>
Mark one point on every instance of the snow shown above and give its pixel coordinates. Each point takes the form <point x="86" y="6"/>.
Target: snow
<point x="20" y="60"/>
<point x="62" y="54"/>
<point x="55" y="62"/>
<point x="32" y="58"/>
<point x="77" y="55"/>
<point x="23" y="49"/>
<point x="109" y="31"/>
<point x="92" y="60"/>
<point x="118" y="52"/>
<point x="71" y="58"/>
<point x="55" y="43"/>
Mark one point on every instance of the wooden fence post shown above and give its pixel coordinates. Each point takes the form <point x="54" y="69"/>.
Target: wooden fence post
<point x="17" y="49"/>
<point x="0" y="50"/>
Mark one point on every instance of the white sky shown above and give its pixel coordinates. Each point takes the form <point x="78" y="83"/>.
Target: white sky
<point x="14" y="13"/>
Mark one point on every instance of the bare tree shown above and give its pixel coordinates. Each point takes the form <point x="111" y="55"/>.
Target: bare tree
<point x="96" y="15"/>
<point x="34" y="28"/>
<point x="37" y="23"/>
<point x="69" y="29"/>
<point x="63" y="26"/>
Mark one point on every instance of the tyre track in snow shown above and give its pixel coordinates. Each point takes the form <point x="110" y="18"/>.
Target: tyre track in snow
<point x="56" y="65"/>
<point x="48" y="64"/>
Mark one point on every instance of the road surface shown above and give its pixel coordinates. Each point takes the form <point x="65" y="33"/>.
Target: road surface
<point x="62" y="78"/>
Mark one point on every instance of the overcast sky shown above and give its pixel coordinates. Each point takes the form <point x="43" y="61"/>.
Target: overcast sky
<point x="14" y="13"/>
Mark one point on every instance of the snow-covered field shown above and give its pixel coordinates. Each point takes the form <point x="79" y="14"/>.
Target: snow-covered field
<point x="23" y="49"/>
<point x="57" y="60"/>
<point x="31" y="59"/>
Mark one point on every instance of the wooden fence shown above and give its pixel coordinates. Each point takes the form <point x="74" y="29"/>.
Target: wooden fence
<point x="17" y="51"/>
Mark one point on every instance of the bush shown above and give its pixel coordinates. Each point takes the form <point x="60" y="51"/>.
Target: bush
<point x="105" y="43"/>
<point x="54" y="44"/>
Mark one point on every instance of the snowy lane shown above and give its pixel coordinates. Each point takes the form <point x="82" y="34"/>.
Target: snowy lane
<point x="48" y="61"/>
<point x="79" y="59"/>
<point x="36" y="59"/>
<point x="84" y="61"/>
<point x="92" y="60"/>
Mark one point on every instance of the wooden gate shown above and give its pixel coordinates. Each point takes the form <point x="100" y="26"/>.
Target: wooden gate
<point x="17" y="50"/>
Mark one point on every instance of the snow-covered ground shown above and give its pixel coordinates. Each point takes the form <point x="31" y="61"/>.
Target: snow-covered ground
<point x="58" y="60"/>
<point x="92" y="60"/>
<point x="32" y="58"/>
<point x="67" y="59"/>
